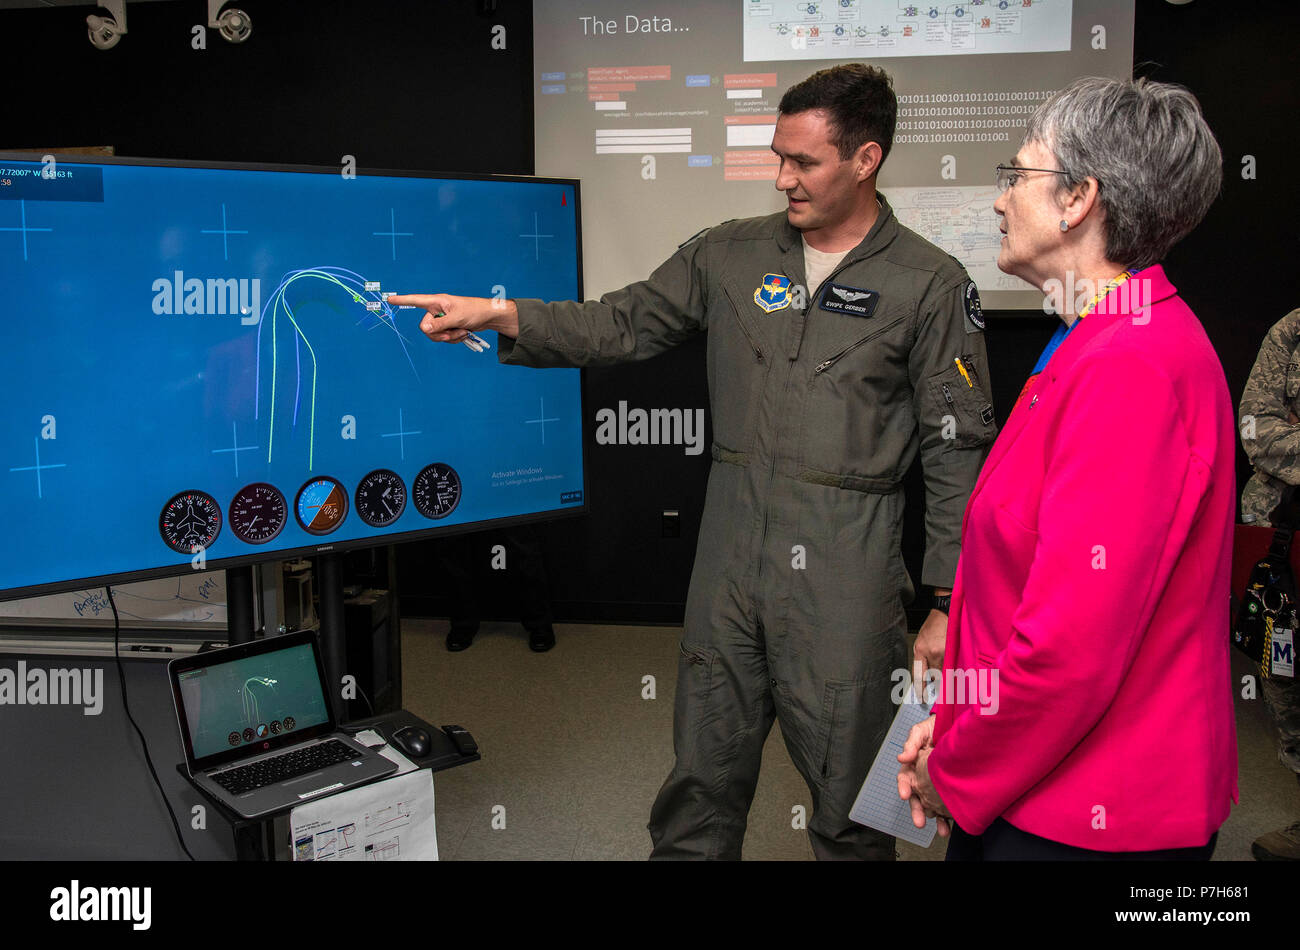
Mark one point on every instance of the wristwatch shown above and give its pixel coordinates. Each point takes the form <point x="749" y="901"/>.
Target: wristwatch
<point x="943" y="603"/>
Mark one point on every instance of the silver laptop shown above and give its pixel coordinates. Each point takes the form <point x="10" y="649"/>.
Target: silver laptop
<point x="258" y="732"/>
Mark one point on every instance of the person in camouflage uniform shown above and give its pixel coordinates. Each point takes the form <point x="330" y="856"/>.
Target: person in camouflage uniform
<point x="1270" y="434"/>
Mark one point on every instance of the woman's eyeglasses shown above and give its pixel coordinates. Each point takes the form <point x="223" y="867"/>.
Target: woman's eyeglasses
<point x="1008" y="175"/>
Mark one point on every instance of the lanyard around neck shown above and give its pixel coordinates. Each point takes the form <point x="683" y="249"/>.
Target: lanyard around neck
<point x="1062" y="331"/>
<point x="1101" y="294"/>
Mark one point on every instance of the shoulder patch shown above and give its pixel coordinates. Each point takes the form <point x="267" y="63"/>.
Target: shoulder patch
<point x="773" y="293"/>
<point x="974" y="312"/>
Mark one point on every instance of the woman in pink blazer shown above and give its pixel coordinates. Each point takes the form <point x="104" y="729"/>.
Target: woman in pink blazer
<point x="1085" y="709"/>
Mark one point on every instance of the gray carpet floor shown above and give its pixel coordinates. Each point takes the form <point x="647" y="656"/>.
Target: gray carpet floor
<point x="573" y="754"/>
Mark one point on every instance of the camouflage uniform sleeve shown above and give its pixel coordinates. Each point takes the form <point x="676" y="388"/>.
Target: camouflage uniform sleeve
<point x="1271" y="390"/>
<point x="634" y="323"/>
<point x="955" y="415"/>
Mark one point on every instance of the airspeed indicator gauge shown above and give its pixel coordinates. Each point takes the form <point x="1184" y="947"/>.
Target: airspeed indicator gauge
<point x="258" y="513"/>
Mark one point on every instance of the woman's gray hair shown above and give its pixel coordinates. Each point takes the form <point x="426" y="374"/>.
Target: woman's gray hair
<point x="1148" y="145"/>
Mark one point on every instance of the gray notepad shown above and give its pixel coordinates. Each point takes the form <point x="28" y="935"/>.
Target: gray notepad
<point x="878" y="805"/>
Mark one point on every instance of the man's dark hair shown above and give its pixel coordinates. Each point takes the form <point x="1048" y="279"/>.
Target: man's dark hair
<point x="859" y="102"/>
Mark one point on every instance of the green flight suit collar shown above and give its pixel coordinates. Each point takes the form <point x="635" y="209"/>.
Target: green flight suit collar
<point x="790" y="240"/>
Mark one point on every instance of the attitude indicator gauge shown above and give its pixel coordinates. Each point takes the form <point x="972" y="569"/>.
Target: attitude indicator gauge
<point x="436" y="490"/>
<point x="381" y="498"/>
<point x="258" y="513"/>
<point x="192" y="519"/>
<point x="321" y="505"/>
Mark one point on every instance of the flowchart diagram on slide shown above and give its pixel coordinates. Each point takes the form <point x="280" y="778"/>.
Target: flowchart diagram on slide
<point x="960" y="219"/>
<point x="839" y="29"/>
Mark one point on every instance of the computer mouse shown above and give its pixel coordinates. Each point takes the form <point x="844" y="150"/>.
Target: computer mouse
<point x="414" y="741"/>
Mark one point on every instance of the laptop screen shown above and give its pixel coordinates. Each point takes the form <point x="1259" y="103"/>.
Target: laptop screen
<point x="250" y="701"/>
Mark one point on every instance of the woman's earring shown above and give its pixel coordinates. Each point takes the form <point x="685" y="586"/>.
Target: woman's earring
<point x="1065" y="225"/>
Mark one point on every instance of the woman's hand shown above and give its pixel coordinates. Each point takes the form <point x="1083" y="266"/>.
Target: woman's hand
<point x="914" y="784"/>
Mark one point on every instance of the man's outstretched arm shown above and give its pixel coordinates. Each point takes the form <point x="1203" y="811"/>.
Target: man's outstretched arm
<point x="633" y="323"/>
<point x="449" y="319"/>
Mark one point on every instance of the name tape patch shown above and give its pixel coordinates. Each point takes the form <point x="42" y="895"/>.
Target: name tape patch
<point x="851" y="301"/>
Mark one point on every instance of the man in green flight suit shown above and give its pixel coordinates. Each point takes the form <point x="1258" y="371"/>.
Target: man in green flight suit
<point x="840" y="343"/>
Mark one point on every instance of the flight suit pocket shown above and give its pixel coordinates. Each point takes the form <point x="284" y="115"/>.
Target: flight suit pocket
<point x="692" y="706"/>
<point x="965" y="415"/>
<point x="854" y="721"/>
<point x="856" y="419"/>
<point x="841" y="717"/>
<point x="738" y="361"/>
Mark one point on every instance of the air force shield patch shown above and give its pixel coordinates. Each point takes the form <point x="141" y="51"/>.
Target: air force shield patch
<point x="773" y="293"/>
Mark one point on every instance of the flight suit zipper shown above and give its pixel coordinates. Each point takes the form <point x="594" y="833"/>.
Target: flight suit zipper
<point x="771" y="476"/>
<point x="972" y="382"/>
<point x="740" y="322"/>
<point x="830" y="733"/>
<point x="827" y="363"/>
<point x="771" y="473"/>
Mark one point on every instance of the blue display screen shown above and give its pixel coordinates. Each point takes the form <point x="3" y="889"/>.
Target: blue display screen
<point x="199" y="366"/>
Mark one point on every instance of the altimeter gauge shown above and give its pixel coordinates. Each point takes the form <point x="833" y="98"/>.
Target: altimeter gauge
<point x="381" y="498"/>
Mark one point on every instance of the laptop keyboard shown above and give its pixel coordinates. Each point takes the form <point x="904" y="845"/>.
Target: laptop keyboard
<point x="266" y="772"/>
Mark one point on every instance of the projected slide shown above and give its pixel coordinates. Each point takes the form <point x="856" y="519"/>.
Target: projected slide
<point x="854" y="29"/>
<point x="201" y="364"/>
<point x="960" y="221"/>
<point x="666" y="111"/>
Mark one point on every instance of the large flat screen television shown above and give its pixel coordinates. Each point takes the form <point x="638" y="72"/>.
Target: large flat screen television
<point x="199" y="366"/>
